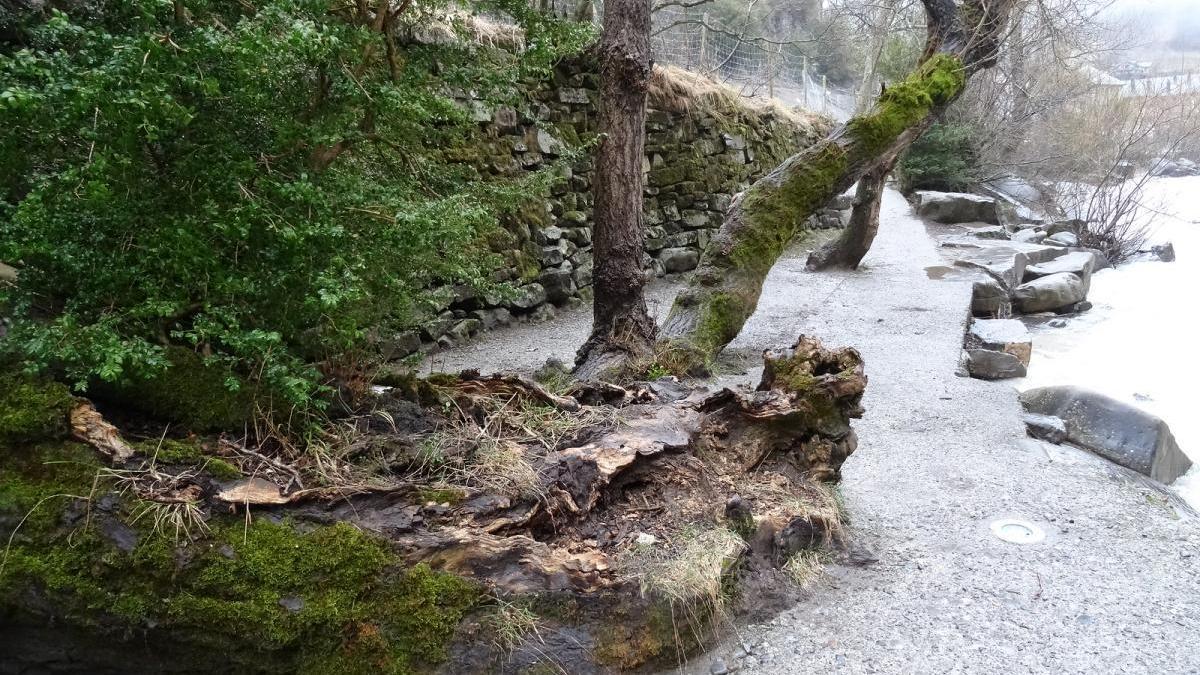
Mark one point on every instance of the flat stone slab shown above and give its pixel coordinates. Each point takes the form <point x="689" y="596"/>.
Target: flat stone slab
<point x="1007" y="260"/>
<point x="1004" y="335"/>
<point x="1079" y="263"/>
<point x="957" y="207"/>
<point x="1117" y="431"/>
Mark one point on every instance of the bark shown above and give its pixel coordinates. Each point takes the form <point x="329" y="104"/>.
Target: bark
<point x="622" y="330"/>
<point x="962" y="38"/>
<point x="848" y="250"/>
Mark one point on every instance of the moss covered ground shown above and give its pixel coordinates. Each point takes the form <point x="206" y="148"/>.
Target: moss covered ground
<point x="276" y="594"/>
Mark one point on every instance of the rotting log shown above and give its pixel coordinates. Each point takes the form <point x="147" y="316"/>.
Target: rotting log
<point x="406" y="577"/>
<point x="962" y="38"/>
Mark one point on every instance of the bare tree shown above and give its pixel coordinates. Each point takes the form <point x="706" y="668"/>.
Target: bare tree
<point x="622" y="330"/>
<point x="962" y="38"/>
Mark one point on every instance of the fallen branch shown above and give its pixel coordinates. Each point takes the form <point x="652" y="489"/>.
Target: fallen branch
<point x="89" y="426"/>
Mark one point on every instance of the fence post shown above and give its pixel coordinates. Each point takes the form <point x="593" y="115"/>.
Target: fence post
<point x="824" y="93"/>
<point x="770" y="74"/>
<point x="703" y="65"/>
<point x="804" y="79"/>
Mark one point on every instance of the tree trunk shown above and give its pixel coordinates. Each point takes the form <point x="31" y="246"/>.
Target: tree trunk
<point x="724" y="290"/>
<point x="622" y="330"/>
<point x="848" y="250"/>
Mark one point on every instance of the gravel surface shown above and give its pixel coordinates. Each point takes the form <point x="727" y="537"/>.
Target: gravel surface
<point x="1113" y="588"/>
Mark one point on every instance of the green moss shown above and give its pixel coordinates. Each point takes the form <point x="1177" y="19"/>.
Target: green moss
<point x="720" y="320"/>
<point x="220" y="469"/>
<point x="192" y="393"/>
<point x="32" y="409"/>
<point x="935" y="83"/>
<point x="267" y="596"/>
<point x="774" y="213"/>
<point x="440" y="496"/>
<point x="170" y="450"/>
<point x="188" y="452"/>
<point x="663" y="635"/>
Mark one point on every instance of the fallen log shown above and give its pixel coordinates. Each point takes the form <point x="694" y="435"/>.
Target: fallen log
<point x="636" y="521"/>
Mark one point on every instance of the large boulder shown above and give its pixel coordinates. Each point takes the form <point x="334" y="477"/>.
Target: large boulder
<point x="1002" y="335"/>
<point x="1049" y="293"/>
<point x="1114" y="430"/>
<point x="957" y="207"/>
<point x="1081" y="263"/>
<point x="989" y="297"/>
<point x="987" y="364"/>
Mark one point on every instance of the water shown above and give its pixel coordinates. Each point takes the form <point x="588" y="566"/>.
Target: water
<point x="1138" y="343"/>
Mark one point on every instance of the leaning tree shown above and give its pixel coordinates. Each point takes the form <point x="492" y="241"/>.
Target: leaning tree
<point x="962" y="38"/>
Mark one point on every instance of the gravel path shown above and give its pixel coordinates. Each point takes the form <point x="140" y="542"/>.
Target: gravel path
<point x="1115" y="586"/>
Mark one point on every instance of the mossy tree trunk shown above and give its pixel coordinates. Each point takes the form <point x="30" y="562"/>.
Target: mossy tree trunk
<point x="622" y="330"/>
<point x="962" y="38"/>
<point x="848" y="250"/>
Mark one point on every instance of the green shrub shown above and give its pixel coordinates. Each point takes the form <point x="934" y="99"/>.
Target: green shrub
<point x="943" y="158"/>
<point x="257" y="182"/>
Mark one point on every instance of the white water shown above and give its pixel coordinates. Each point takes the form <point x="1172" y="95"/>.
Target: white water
<point x="1139" y="342"/>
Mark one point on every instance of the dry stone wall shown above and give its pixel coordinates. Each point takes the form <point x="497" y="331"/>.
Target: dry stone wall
<point x="697" y="157"/>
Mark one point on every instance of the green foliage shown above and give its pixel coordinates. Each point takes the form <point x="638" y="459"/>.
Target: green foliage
<point x="32" y="410"/>
<point x="201" y="396"/>
<point x="943" y="158"/>
<point x="257" y="182"/>
<point x="268" y="596"/>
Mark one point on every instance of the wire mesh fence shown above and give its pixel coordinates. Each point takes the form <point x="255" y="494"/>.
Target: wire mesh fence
<point x="754" y="66"/>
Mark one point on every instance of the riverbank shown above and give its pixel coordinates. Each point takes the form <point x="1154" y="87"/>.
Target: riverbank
<point x="1139" y="329"/>
<point x="940" y="459"/>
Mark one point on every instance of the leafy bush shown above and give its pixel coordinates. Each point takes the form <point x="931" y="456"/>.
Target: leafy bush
<point x="943" y="158"/>
<point x="257" y="182"/>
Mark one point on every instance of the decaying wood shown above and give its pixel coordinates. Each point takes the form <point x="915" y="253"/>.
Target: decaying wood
<point x="89" y="426"/>
<point x="471" y="382"/>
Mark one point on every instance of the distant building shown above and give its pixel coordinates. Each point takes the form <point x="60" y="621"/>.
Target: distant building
<point x="1133" y="70"/>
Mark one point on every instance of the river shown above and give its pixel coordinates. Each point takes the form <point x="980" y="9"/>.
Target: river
<point x="1137" y="343"/>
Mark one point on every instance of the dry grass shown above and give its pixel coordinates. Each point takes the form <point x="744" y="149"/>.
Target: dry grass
<point x="677" y="90"/>
<point x="806" y="566"/>
<point x="504" y="438"/>
<point x="170" y="502"/>
<point x="695" y="573"/>
<point x="513" y="626"/>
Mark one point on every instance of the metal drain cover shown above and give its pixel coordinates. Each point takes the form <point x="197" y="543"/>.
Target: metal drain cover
<point x="1017" y="531"/>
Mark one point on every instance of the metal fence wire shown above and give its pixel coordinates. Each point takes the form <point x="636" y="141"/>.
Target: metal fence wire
<point x="691" y="39"/>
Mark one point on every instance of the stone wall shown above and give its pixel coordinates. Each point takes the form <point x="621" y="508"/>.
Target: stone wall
<point x="702" y="147"/>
